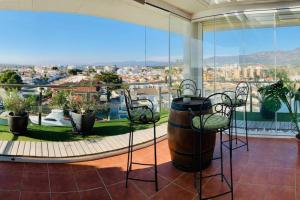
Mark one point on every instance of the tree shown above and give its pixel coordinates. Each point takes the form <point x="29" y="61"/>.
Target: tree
<point x="74" y="71"/>
<point x="109" y="78"/>
<point x="10" y="77"/>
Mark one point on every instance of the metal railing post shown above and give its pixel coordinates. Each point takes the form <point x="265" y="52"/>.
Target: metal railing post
<point x="159" y="98"/>
<point x="251" y="106"/>
<point x="40" y="105"/>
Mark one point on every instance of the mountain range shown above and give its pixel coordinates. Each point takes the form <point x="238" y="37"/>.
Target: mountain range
<point x="289" y="57"/>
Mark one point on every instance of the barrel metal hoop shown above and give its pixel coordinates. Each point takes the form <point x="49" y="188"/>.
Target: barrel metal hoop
<point x="178" y="125"/>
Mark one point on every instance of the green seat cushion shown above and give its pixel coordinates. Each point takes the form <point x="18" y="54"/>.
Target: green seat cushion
<point x="235" y="102"/>
<point x="188" y="96"/>
<point x="211" y="122"/>
<point x="142" y="115"/>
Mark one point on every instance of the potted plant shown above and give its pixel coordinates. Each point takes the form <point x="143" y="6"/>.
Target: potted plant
<point x="268" y="104"/>
<point x="59" y="100"/>
<point x="82" y="113"/>
<point x="17" y="105"/>
<point x="280" y="92"/>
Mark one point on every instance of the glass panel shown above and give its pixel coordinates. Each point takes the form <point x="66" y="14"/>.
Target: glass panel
<point x="208" y="58"/>
<point x="287" y="57"/>
<point x="180" y="43"/>
<point x="157" y="65"/>
<point x="240" y="47"/>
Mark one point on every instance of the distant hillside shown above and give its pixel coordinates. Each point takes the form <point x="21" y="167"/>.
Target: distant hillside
<point x="291" y="57"/>
<point x="132" y="63"/>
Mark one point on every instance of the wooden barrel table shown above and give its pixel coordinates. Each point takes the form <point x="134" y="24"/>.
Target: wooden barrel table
<point x="181" y="137"/>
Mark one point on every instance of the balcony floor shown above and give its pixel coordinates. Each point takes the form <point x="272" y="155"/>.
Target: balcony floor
<point x="270" y="170"/>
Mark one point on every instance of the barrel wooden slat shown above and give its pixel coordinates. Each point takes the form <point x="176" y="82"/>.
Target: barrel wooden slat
<point x="181" y="137"/>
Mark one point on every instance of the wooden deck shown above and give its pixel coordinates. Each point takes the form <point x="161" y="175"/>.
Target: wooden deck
<point x="76" y="151"/>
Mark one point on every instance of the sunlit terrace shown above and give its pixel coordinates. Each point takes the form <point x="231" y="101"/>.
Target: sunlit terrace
<point x="156" y="99"/>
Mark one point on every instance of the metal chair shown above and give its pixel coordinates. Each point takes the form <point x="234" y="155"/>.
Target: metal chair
<point x="217" y="121"/>
<point x="239" y="99"/>
<point x="189" y="87"/>
<point x="140" y="114"/>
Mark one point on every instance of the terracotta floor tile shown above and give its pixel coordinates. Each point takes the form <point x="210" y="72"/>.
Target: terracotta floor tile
<point x="100" y="194"/>
<point x="280" y="193"/>
<point x="112" y="175"/>
<point x="148" y="188"/>
<point x="88" y="180"/>
<point x="83" y="166"/>
<point x="246" y="191"/>
<point x="298" y="180"/>
<point x="297" y="193"/>
<point x="35" y="196"/>
<point x="60" y="168"/>
<point x="35" y="182"/>
<point x="269" y="171"/>
<point x="10" y="181"/>
<point x="173" y="192"/>
<point x="65" y="196"/>
<point x="11" y="166"/>
<point x="187" y="181"/>
<point x="35" y="167"/>
<point x="255" y="175"/>
<point x="282" y="177"/>
<point x="168" y="171"/>
<point x="62" y="183"/>
<point x="120" y="192"/>
<point x="214" y="186"/>
<point x="10" y="195"/>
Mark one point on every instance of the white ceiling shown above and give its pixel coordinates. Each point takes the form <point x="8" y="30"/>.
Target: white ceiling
<point x="131" y="11"/>
<point x="203" y="8"/>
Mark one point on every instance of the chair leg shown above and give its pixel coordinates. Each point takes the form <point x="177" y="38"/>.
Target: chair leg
<point x="128" y="157"/>
<point x="200" y="174"/>
<point x="246" y="125"/>
<point x="221" y="152"/>
<point x="131" y="150"/>
<point x="230" y="161"/>
<point x="155" y="158"/>
<point x="235" y="125"/>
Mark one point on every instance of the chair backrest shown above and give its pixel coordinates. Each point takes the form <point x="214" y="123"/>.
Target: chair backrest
<point x="128" y="102"/>
<point x="187" y="86"/>
<point x="215" y="103"/>
<point x="242" y="91"/>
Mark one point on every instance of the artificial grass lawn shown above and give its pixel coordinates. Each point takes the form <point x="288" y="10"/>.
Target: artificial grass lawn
<point x="101" y="129"/>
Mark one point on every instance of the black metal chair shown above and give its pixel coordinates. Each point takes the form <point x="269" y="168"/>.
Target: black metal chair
<point x="188" y="86"/>
<point x="209" y="123"/>
<point x="139" y="113"/>
<point x="239" y="99"/>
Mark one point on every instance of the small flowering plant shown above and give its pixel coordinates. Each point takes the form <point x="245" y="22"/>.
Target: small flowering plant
<point x="81" y="104"/>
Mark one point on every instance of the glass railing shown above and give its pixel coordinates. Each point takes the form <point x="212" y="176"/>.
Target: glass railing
<point x="50" y="106"/>
<point x="280" y="123"/>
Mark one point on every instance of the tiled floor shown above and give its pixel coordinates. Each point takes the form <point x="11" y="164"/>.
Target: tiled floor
<point x="270" y="170"/>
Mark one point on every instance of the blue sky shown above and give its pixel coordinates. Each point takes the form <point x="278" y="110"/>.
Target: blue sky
<point x="57" y="38"/>
<point x="247" y="41"/>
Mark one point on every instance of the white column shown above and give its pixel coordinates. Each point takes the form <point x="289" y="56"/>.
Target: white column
<point x="194" y="55"/>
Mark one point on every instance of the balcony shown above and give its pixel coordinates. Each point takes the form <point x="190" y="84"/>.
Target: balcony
<point x="58" y="48"/>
